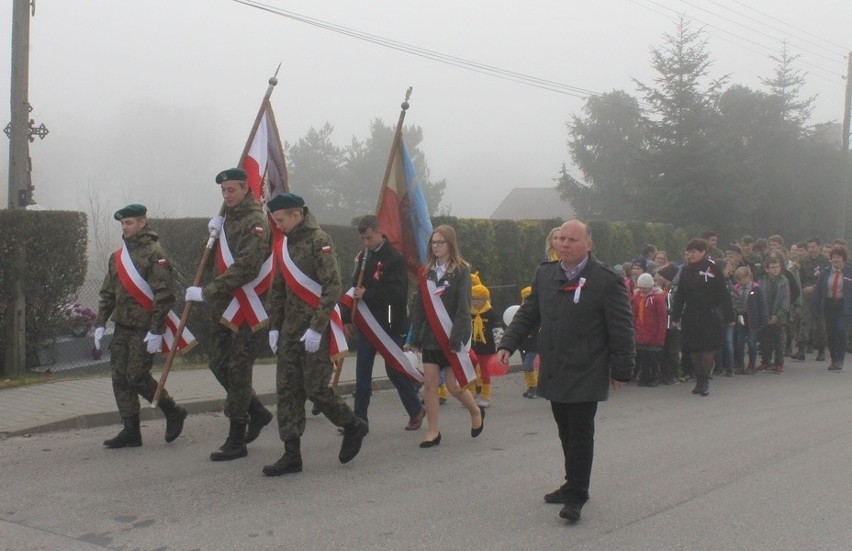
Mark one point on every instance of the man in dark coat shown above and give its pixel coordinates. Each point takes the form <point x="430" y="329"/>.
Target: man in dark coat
<point x="832" y="300"/>
<point x="383" y="288"/>
<point x="586" y="343"/>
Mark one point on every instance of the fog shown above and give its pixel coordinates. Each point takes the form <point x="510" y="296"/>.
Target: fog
<point x="147" y="100"/>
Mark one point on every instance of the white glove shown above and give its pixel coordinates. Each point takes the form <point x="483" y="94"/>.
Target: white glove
<point x="99" y="335"/>
<point x="194" y="294"/>
<point x="155" y="342"/>
<point x="273" y="340"/>
<point x="312" y="340"/>
<point x="215" y="224"/>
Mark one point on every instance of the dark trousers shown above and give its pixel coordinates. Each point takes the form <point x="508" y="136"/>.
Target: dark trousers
<point x="231" y="359"/>
<point x="835" y="329"/>
<point x="364" y="381"/>
<point x="743" y="338"/>
<point x="648" y="365"/>
<point x="670" y="363"/>
<point x="576" y="424"/>
<point x="772" y="340"/>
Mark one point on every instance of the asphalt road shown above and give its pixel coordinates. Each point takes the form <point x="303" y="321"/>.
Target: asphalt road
<point x="762" y="463"/>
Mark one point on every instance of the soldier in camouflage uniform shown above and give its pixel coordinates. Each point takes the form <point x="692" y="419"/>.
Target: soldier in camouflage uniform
<point x="811" y="327"/>
<point x="234" y="349"/>
<point x="299" y="335"/>
<point x="138" y="333"/>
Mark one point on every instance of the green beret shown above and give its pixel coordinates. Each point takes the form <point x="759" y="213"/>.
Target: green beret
<point x="130" y="211"/>
<point x="285" y="201"/>
<point x="232" y="174"/>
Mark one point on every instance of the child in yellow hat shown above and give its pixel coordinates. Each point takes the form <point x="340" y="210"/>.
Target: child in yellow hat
<point x="485" y="321"/>
<point x="529" y="353"/>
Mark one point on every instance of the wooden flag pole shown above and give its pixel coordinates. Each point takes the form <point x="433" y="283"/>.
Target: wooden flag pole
<point x="338" y="362"/>
<point x="397" y="137"/>
<point x="211" y="240"/>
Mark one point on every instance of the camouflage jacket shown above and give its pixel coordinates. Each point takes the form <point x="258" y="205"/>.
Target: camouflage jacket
<point x="149" y="260"/>
<point x="248" y="235"/>
<point x="313" y="252"/>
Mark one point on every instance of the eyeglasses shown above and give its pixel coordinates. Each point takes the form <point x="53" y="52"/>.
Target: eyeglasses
<point x="434" y="242"/>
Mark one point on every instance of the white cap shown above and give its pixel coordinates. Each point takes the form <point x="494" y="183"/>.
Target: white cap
<point x="645" y="281"/>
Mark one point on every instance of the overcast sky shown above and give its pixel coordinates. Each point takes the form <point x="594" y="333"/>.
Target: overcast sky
<point x="147" y="100"/>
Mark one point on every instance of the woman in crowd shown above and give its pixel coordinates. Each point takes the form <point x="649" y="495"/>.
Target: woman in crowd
<point x="701" y="305"/>
<point x="444" y="290"/>
<point x="550" y="245"/>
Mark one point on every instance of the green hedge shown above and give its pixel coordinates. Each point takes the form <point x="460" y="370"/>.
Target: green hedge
<point x="55" y="247"/>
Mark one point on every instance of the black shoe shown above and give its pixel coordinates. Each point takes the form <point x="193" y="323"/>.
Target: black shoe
<point x="697" y="389"/>
<point x="571" y="511"/>
<point x="431" y="443"/>
<point x="353" y="436"/>
<point x="315" y="410"/>
<point x="820" y="356"/>
<point x="259" y="417"/>
<point x="558" y="495"/>
<point x="175" y="416"/>
<point x="235" y="446"/>
<point x="290" y="462"/>
<point x="129" y="437"/>
<point x="476" y="432"/>
<point x="799" y="355"/>
<point x="705" y="388"/>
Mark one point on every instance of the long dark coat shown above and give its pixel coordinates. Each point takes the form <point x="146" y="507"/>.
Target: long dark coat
<point x="581" y="345"/>
<point x="702" y="304"/>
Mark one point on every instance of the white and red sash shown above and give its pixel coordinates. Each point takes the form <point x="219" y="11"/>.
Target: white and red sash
<point x="379" y="338"/>
<point x="246" y="305"/>
<point x="310" y="292"/>
<point x="442" y="325"/>
<point x="138" y="288"/>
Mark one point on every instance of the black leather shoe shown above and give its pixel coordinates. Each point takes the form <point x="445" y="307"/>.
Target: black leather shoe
<point x="820" y="356"/>
<point x="476" y="432"/>
<point x="431" y="443"/>
<point x="557" y="496"/>
<point x="571" y="511"/>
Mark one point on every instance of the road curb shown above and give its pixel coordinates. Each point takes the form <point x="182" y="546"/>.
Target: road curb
<point x="203" y="405"/>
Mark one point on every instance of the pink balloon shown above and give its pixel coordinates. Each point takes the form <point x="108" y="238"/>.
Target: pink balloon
<point x="495" y="367"/>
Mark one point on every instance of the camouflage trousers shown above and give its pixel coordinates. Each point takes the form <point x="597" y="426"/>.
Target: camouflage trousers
<point x="811" y="328"/>
<point x="131" y="370"/>
<point x="301" y="376"/>
<point x="232" y="356"/>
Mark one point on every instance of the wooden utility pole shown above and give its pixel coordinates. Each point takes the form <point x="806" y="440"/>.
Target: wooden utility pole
<point x="19" y="181"/>
<point x="847" y="157"/>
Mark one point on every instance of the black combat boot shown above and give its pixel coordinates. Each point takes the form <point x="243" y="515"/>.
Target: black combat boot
<point x="820" y="355"/>
<point x="259" y="417"/>
<point x="235" y="446"/>
<point x="290" y="462"/>
<point x="705" y="387"/>
<point x="175" y="416"/>
<point x="353" y="435"/>
<point x="129" y="437"/>
<point x="800" y="353"/>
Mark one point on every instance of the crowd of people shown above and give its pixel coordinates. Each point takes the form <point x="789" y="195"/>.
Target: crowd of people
<point x="737" y="311"/>
<point x="582" y="327"/>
